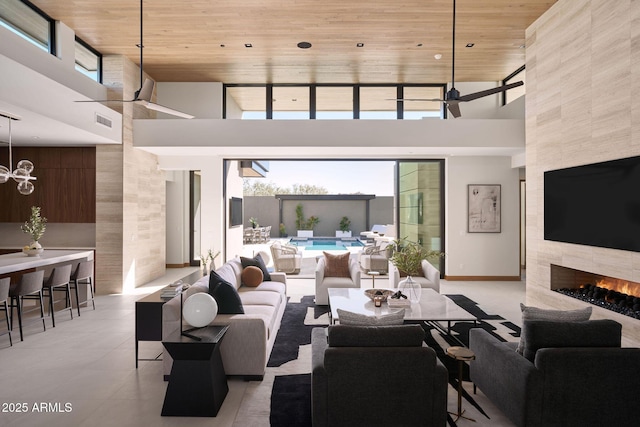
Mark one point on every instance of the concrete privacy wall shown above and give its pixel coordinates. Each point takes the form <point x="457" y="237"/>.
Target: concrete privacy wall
<point x="583" y="77"/>
<point x="330" y="212"/>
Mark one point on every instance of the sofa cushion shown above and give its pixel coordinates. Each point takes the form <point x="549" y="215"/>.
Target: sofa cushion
<point x="272" y="299"/>
<point x="229" y="274"/>
<point x="375" y="336"/>
<point x="593" y="333"/>
<point x="252" y="276"/>
<point x="256" y="261"/>
<point x="225" y="294"/>
<point x="336" y="265"/>
<point x="357" y="319"/>
<point x="535" y="313"/>
<point x="277" y="287"/>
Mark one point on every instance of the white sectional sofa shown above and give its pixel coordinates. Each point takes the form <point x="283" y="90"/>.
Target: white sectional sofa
<point x="247" y="344"/>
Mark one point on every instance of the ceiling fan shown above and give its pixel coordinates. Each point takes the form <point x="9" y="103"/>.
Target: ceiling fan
<point x="452" y="98"/>
<point x="143" y="95"/>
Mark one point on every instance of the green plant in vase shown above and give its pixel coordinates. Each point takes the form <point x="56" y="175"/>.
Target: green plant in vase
<point x="345" y="224"/>
<point x="35" y="227"/>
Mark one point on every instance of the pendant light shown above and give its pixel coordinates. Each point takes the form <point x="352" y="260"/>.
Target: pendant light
<point x="22" y="173"/>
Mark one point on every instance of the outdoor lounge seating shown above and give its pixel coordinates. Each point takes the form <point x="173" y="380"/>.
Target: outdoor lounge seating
<point x="375" y="258"/>
<point x="430" y="276"/>
<point x="376" y="376"/>
<point x="376" y="230"/>
<point x="286" y="258"/>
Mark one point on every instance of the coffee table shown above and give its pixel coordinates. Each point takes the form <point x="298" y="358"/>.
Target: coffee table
<point x="432" y="308"/>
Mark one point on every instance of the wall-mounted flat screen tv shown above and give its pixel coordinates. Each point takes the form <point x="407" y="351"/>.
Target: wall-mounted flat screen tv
<point x="235" y="211"/>
<point x="594" y="205"/>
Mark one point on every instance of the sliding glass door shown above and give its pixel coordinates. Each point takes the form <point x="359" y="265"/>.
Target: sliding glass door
<point x="421" y="204"/>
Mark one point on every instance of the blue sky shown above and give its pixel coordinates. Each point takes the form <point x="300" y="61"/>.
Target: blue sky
<point x="338" y="177"/>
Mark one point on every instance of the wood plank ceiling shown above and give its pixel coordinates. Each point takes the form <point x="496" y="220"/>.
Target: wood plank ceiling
<point x="204" y="40"/>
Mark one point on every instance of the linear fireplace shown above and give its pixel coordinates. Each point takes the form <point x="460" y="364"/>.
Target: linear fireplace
<point x="619" y="295"/>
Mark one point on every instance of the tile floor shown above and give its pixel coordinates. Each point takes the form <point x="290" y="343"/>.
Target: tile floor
<point x="82" y="373"/>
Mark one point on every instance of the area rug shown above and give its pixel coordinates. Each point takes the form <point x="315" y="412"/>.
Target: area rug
<point x="291" y="392"/>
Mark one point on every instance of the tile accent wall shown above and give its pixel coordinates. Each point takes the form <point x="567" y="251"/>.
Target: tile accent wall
<point x="130" y="196"/>
<point x="582" y="106"/>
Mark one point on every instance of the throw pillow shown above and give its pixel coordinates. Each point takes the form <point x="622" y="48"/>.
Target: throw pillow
<point x="535" y="313"/>
<point x="336" y="265"/>
<point x="251" y="276"/>
<point x="357" y="319"/>
<point x="592" y="333"/>
<point x="375" y="336"/>
<point x="225" y="294"/>
<point x="256" y="261"/>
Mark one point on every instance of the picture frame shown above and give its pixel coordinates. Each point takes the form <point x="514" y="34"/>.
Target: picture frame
<point x="484" y="208"/>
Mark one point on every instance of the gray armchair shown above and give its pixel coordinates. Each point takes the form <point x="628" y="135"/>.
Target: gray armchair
<point x="571" y="374"/>
<point x="376" y="376"/>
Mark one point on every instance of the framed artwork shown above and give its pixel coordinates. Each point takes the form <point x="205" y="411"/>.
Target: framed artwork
<point x="484" y="208"/>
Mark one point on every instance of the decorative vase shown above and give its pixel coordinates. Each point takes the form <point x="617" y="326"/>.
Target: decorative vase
<point x="34" y="249"/>
<point x="411" y="289"/>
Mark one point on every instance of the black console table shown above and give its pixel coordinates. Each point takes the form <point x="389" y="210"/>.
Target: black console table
<point x="149" y="315"/>
<point x="149" y="320"/>
<point x="197" y="384"/>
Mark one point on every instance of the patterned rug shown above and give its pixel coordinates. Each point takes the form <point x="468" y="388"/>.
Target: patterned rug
<point x="291" y="392"/>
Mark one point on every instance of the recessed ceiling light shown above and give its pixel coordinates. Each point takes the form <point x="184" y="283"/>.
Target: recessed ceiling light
<point x="304" y="45"/>
<point x="360" y="45"/>
<point x="471" y="44"/>
<point x="438" y="56"/>
<point x="248" y="45"/>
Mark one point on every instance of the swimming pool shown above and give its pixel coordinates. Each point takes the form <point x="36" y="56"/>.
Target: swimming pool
<point x="325" y="243"/>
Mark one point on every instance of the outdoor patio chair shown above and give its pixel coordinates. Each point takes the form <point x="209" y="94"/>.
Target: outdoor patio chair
<point x="286" y="258"/>
<point x="375" y="258"/>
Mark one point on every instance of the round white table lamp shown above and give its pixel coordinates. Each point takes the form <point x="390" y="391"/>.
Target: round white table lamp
<point x="200" y="309"/>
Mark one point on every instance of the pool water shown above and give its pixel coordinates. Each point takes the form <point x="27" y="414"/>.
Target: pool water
<point x="325" y="243"/>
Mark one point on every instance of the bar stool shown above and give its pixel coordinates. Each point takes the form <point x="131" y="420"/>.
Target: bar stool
<point x="4" y="296"/>
<point x="59" y="281"/>
<point x="29" y="287"/>
<point x="83" y="276"/>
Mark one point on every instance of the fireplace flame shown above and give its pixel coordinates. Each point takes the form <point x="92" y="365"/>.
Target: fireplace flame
<point x="622" y="286"/>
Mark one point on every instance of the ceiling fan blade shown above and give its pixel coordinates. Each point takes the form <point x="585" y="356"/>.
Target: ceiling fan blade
<point x="109" y="100"/>
<point x="146" y="91"/>
<point x="454" y="109"/>
<point x="416" y="99"/>
<point x="488" y="92"/>
<point x="163" y="109"/>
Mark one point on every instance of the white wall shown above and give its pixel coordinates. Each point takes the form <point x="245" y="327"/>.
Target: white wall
<point x="233" y="109"/>
<point x="177" y="218"/>
<point x="234" y="189"/>
<point x="481" y="254"/>
<point x="203" y="100"/>
<point x="212" y="201"/>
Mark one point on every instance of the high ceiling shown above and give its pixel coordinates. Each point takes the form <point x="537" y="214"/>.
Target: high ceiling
<point x="204" y="40"/>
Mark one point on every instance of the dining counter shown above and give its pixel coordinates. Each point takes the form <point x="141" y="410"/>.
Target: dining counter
<point x="16" y="262"/>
